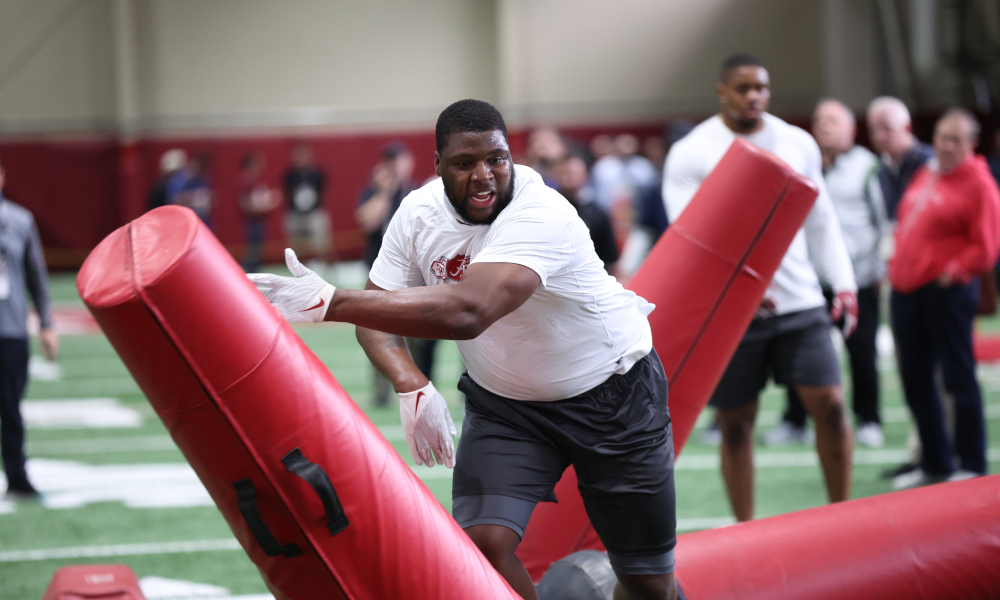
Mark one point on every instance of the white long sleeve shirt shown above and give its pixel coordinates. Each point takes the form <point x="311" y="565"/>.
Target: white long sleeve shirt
<point x="818" y="249"/>
<point x="852" y="181"/>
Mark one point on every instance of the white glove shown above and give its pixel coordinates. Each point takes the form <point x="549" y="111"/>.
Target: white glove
<point x="428" y="426"/>
<point x="303" y="298"/>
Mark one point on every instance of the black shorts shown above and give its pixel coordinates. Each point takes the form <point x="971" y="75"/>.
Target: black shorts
<point x="618" y="438"/>
<point x="795" y="349"/>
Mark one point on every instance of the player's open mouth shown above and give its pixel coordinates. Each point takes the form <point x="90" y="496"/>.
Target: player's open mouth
<point x="483" y="199"/>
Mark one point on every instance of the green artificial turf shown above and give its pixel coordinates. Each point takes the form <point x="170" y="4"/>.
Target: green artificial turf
<point x="92" y="369"/>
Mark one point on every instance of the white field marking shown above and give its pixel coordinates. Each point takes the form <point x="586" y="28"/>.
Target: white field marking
<point x="40" y="369"/>
<point x="161" y="588"/>
<point x="185" y="547"/>
<point x="700" y="523"/>
<point x="890" y="414"/>
<point x="79" y="413"/>
<point x="770" y="460"/>
<point x="67" y="484"/>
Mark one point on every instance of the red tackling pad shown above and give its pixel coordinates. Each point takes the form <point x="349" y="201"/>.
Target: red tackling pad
<point x="317" y="497"/>
<point x="94" y="582"/>
<point x="940" y="542"/>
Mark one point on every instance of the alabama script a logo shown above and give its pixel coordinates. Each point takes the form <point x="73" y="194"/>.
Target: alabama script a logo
<point x="450" y="269"/>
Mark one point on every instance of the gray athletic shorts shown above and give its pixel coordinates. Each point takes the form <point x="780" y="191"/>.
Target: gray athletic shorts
<point x="618" y="438"/>
<point x="795" y="349"/>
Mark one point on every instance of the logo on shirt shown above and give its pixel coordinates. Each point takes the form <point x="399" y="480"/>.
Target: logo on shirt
<point x="451" y="269"/>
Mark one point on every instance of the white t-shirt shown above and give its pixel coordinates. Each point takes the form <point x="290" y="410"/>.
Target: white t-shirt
<point x="578" y="328"/>
<point x="818" y="247"/>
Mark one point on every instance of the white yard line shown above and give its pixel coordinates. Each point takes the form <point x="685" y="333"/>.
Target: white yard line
<point x="185" y="547"/>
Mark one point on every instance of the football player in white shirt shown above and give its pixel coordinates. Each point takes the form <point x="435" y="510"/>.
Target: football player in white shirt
<point x="790" y="338"/>
<point x="561" y="369"/>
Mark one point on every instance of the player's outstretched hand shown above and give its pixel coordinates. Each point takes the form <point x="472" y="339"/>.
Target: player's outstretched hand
<point x="430" y="432"/>
<point x="303" y="298"/>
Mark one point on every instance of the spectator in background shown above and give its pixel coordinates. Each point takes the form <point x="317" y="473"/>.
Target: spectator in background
<point x="851" y="175"/>
<point x="256" y="200"/>
<point x="601" y="146"/>
<point x="891" y="134"/>
<point x="546" y="149"/>
<point x="307" y="224"/>
<point x="196" y="190"/>
<point x="171" y="180"/>
<point x="392" y="180"/>
<point x="948" y="233"/>
<point x="22" y="272"/>
<point x="994" y="159"/>
<point x="623" y="182"/>
<point x="573" y="183"/>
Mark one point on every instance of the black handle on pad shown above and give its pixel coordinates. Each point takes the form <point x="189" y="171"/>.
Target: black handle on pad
<point x="246" y="500"/>
<point x="316" y="477"/>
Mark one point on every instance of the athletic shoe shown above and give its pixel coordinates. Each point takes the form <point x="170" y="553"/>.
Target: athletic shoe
<point x="785" y="433"/>
<point x="22" y="493"/>
<point x="916" y="478"/>
<point x="870" y="434"/>
<point x="962" y="475"/>
<point x="907" y="467"/>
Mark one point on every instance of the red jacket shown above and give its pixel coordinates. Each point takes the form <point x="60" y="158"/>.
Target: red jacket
<point x="947" y="222"/>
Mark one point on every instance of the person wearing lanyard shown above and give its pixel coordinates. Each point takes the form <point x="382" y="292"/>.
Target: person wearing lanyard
<point x="22" y="271"/>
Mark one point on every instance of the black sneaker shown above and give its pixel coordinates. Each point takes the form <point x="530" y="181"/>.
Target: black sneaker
<point x="22" y="492"/>
<point x="907" y="467"/>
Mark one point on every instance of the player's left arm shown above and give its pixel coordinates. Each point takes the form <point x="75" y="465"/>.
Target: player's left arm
<point x="487" y="293"/>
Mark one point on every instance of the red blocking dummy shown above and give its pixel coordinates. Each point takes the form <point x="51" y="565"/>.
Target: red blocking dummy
<point x="94" y="582"/>
<point x="940" y="542"/>
<point x="706" y="276"/>
<point x="317" y="497"/>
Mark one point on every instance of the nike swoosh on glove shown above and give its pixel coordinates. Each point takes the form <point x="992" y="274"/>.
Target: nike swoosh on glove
<point x="304" y="298"/>
<point x="430" y="432"/>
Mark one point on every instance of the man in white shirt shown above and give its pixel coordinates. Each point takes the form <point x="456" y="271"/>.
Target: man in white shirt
<point x="561" y="369"/>
<point x="790" y="338"/>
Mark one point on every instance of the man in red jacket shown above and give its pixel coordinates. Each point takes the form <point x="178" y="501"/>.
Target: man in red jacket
<point x="948" y="234"/>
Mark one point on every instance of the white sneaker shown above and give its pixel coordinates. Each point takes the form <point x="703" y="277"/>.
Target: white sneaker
<point x="914" y="479"/>
<point x="784" y="433"/>
<point x="962" y="475"/>
<point x="870" y="434"/>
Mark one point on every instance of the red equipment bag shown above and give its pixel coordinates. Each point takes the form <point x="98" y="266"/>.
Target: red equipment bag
<point x="706" y="276"/>
<point x="940" y="542"/>
<point x="94" y="582"/>
<point x="321" y="502"/>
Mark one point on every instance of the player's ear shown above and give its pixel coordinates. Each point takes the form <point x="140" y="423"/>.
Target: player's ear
<point x="437" y="164"/>
<point x="720" y="89"/>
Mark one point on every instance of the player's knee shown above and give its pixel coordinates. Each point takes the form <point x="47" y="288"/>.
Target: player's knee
<point x="736" y="433"/>
<point x="496" y="542"/>
<point x="648" y="587"/>
<point x="829" y="409"/>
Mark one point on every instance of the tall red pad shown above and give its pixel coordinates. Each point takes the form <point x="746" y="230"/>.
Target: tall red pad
<point x="940" y="542"/>
<point x="316" y="496"/>
<point x="706" y="276"/>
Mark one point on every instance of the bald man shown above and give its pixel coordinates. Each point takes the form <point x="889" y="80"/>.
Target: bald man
<point x="948" y="234"/>
<point x="891" y="132"/>
<point x="851" y="175"/>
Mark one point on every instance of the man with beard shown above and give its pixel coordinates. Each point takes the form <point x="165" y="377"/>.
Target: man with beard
<point x="561" y="369"/>
<point x="790" y="338"/>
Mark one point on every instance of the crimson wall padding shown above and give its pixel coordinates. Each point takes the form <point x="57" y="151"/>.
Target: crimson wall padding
<point x="940" y="542"/>
<point x="320" y="501"/>
<point x="707" y="276"/>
